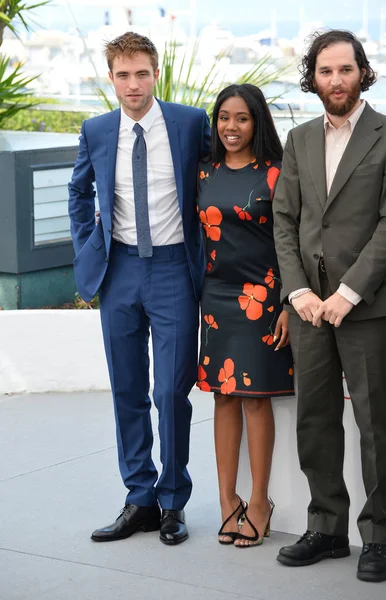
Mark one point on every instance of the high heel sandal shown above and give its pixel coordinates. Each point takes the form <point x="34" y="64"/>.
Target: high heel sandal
<point x="241" y="508"/>
<point x="254" y="539"/>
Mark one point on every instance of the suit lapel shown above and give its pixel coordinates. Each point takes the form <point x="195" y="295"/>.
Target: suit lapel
<point x="172" y="129"/>
<point x="112" y="146"/>
<point x="315" y="144"/>
<point x="362" y="140"/>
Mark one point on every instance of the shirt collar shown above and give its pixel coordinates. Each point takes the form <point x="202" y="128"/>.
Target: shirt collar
<point x="352" y="120"/>
<point x="147" y="120"/>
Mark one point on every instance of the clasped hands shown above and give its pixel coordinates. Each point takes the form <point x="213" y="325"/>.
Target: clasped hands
<point x="311" y="308"/>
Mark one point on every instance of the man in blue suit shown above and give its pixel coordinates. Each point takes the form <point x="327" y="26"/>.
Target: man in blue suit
<point x="144" y="257"/>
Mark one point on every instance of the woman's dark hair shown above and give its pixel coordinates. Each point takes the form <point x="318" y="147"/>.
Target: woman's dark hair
<point x="318" y="42"/>
<point x="266" y="143"/>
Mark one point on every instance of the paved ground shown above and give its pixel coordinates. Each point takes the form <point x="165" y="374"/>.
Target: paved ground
<point x="59" y="481"/>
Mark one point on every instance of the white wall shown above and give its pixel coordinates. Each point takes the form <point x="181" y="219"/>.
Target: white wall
<point x="51" y="350"/>
<point x="288" y="486"/>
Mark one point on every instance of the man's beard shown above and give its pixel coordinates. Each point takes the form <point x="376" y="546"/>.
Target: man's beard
<point x="340" y="109"/>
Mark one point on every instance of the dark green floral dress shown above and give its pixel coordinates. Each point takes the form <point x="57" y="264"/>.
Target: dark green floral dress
<point x="240" y="298"/>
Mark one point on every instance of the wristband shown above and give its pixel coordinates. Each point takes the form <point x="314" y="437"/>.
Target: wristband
<point x="300" y="293"/>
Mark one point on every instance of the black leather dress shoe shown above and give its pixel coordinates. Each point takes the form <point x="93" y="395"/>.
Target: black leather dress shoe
<point x="372" y="563"/>
<point x="131" y="519"/>
<point x="173" y="529"/>
<point x="313" y="547"/>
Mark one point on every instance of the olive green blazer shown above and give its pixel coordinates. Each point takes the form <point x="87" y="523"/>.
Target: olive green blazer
<point x="346" y="226"/>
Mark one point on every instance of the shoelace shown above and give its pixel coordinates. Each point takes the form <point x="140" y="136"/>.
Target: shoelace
<point x="310" y="536"/>
<point x="171" y="515"/>
<point x="126" y="510"/>
<point x="378" y="548"/>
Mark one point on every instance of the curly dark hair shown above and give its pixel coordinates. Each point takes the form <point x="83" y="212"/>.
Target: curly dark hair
<point x="129" y="44"/>
<point x="266" y="143"/>
<point x="318" y="42"/>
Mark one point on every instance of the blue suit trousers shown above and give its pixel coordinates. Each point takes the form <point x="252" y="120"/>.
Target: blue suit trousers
<point x="139" y="296"/>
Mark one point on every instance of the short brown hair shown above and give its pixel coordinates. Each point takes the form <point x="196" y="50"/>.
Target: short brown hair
<point x="128" y="44"/>
<point x="318" y="42"/>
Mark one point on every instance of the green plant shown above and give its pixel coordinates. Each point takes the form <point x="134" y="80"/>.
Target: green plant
<point x="81" y="304"/>
<point x="52" y="120"/>
<point x="173" y="86"/>
<point x="11" y="9"/>
<point x="103" y="99"/>
<point x="181" y="87"/>
<point x="14" y="95"/>
<point x="179" y="84"/>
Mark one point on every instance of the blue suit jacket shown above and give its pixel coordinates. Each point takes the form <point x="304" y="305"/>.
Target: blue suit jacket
<point x="189" y="137"/>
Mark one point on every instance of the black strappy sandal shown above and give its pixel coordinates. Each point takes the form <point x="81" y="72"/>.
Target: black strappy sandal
<point x="242" y="507"/>
<point x="254" y="539"/>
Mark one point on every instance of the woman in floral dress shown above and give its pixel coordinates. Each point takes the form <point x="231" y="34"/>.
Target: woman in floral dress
<point x="245" y="358"/>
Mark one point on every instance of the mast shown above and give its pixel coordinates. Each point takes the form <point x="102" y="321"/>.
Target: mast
<point x="382" y="25"/>
<point x="273" y="26"/>
<point x="365" y="19"/>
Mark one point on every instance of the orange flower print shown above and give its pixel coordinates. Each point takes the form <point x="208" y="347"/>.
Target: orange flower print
<point x="201" y="384"/>
<point x="225" y="377"/>
<point x="211" y="324"/>
<point x="210" y="320"/>
<point x="251" y="301"/>
<point x="263" y="219"/>
<point x="290" y="371"/>
<point x="213" y="255"/>
<point x="268" y="339"/>
<point x="252" y="161"/>
<point x="203" y="174"/>
<point x="216" y="165"/>
<point x="272" y="175"/>
<point x="268" y="163"/>
<point x="209" y="267"/>
<point x="211" y="219"/>
<point x="206" y="360"/>
<point x="270" y="279"/>
<point x="242" y="214"/>
<point x="246" y="379"/>
<point x="256" y="166"/>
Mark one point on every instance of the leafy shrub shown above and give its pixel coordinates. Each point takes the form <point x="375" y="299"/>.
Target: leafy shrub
<point x="38" y="120"/>
<point x="81" y="304"/>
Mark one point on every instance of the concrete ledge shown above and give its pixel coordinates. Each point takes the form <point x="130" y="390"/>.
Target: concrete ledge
<point x="47" y="287"/>
<point x="51" y="350"/>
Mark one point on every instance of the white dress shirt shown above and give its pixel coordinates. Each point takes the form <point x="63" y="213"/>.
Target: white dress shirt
<point x="336" y="140"/>
<point x="164" y="213"/>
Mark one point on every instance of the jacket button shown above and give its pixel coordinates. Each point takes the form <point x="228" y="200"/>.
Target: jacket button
<point x="107" y="259"/>
<point x="316" y="256"/>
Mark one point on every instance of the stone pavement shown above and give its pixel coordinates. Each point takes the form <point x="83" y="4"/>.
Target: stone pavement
<point x="59" y="480"/>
